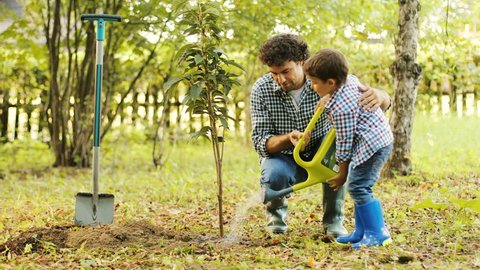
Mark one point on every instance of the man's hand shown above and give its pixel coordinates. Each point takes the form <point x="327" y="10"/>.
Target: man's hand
<point x="296" y="135"/>
<point x="372" y="98"/>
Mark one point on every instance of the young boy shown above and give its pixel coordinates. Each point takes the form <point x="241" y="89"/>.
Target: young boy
<point x="363" y="144"/>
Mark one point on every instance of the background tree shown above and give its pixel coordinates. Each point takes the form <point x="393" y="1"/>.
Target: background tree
<point x="407" y="75"/>
<point x="71" y="50"/>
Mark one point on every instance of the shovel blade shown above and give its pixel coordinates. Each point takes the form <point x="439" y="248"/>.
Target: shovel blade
<point x="84" y="210"/>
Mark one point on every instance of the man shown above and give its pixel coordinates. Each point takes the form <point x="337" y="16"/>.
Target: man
<point x="282" y="104"/>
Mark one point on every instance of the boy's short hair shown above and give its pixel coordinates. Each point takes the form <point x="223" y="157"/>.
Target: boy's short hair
<point x="328" y="64"/>
<point x="281" y="48"/>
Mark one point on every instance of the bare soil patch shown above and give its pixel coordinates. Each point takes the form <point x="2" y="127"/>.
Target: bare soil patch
<point x="110" y="237"/>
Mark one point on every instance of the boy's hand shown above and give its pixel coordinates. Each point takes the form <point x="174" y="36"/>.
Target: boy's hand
<point x="337" y="182"/>
<point x="296" y="135"/>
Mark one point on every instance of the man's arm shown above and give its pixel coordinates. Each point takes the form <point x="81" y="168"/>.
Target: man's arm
<point x="277" y="143"/>
<point x="373" y="98"/>
<point x="264" y="141"/>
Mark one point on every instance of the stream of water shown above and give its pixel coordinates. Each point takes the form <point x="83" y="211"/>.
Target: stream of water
<point x="240" y="216"/>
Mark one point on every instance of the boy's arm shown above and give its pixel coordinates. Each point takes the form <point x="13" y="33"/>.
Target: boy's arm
<point x="345" y="125"/>
<point x="338" y="180"/>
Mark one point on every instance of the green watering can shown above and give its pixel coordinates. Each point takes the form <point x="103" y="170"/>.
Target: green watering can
<point x="321" y="168"/>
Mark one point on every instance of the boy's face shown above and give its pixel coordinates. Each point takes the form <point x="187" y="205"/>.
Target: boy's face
<point x="289" y="75"/>
<point x="322" y="87"/>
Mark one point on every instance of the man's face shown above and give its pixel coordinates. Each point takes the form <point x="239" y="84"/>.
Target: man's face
<point x="289" y="75"/>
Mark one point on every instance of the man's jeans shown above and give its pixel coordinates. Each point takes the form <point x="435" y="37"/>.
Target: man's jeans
<point x="362" y="178"/>
<point x="281" y="171"/>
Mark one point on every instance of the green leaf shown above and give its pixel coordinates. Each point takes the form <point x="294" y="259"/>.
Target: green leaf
<point x="172" y="81"/>
<point x="471" y="204"/>
<point x="428" y="203"/>
<point x="198" y="59"/>
<point x="183" y="50"/>
<point x="204" y="131"/>
<point x="233" y="63"/>
<point x="196" y="89"/>
<point x="224" y="122"/>
<point x="213" y="78"/>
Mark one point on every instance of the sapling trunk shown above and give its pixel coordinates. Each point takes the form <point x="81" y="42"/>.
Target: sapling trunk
<point x="208" y="80"/>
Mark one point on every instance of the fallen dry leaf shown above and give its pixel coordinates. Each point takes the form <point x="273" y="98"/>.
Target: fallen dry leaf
<point x="311" y="262"/>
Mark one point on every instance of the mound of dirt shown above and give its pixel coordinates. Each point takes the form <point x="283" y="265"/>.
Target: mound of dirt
<point x="111" y="237"/>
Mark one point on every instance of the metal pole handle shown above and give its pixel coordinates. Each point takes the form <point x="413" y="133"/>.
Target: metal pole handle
<point x="101" y="19"/>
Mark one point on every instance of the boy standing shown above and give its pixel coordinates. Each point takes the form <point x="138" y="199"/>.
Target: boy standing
<point x="363" y="144"/>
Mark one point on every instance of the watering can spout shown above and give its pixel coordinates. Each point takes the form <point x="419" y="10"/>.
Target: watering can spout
<point x="270" y="194"/>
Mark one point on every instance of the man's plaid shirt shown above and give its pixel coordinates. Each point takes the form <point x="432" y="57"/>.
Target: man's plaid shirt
<point x="360" y="133"/>
<point x="274" y="113"/>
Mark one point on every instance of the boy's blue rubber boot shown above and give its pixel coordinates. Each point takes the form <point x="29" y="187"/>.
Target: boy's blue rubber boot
<point x="375" y="231"/>
<point x="357" y="233"/>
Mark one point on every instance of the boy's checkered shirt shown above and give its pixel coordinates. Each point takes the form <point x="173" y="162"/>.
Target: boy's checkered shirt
<point x="360" y="133"/>
<point x="275" y="113"/>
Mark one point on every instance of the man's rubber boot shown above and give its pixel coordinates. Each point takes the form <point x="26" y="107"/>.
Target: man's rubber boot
<point x="276" y="212"/>
<point x="357" y="233"/>
<point x="333" y="211"/>
<point x="375" y="231"/>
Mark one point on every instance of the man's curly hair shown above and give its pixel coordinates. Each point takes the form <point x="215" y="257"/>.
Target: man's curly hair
<point x="283" y="47"/>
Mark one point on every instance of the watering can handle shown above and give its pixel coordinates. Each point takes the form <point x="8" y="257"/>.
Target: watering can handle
<point x="298" y="147"/>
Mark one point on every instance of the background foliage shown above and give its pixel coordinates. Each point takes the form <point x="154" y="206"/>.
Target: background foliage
<point x="142" y="51"/>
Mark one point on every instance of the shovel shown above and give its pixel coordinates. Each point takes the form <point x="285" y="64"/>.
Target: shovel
<point x="322" y="167"/>
<point x="94" y="208"/>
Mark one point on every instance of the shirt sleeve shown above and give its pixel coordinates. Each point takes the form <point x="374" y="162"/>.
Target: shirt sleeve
<point x="345" y="125"/>
<point x="261" y="124"/>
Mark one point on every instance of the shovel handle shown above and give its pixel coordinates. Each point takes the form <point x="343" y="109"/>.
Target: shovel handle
<point x="101" y="20"/>
<point x="96" y="17"/>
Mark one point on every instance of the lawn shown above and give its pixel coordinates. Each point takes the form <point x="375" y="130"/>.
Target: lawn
<point x="167" y="217"/>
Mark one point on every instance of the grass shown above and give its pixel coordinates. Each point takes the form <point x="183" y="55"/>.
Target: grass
<point x="166" y="218"/>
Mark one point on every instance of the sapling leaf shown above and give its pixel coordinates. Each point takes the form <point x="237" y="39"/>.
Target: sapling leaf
<point x="196" y="89"/>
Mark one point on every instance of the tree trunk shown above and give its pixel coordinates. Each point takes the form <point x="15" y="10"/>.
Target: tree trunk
<point x="407" y="75"/>
<point x="17" y="117"/>
<point x="4" y="115"/>
<point x="53" y="44"/>
<point x="28" y="110"/>
<point x="42" y="118"/>
<point x="161" y="134"/>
